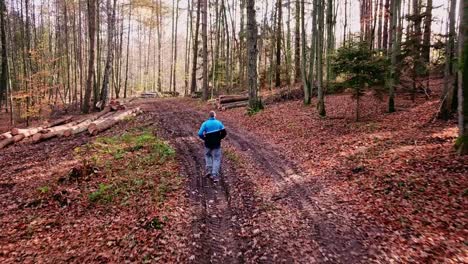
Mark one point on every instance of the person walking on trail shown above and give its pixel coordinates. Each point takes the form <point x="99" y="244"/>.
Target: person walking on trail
<point x="212" y="131"/>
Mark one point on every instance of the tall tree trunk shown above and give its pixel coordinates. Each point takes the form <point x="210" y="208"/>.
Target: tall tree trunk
<point x="252" y="55"/>
<point x="320" y="88"/>
<point x="188" y="42"/>
<point x="193" y="85"/>
<point x="110" y="51"/>
<point x="242" y="56"/>
<point x="297" y="43"/>
<point x="379" y="27"/>
<point x="426" y="46"/>
<point x="330" y="39"/>
<point x="447" y="109"/>
<point x="175" y="48"/>
<point x="279" y="22"/>
<point x="345" y="25"/>
<point x="205" y="48"/>
<point x="395" y="50"/>
<point x="92" y="35"/>
<point x="172" y="44"/>
<point x="386" y="22"/>
<point x="160" y="63"/>
<point x="288" y="47"/>
<point x="128" y="50"/>
<point x="462" y="141"/>
<point x="3" y="38"/>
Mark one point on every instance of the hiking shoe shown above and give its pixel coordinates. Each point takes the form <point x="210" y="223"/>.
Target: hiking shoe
<point x="215" y="179"/>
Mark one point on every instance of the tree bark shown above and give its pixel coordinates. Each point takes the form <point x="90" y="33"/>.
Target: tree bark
<point x="279" y="22"/>
<point x="252" y="55"/>
<point x="446" y="108"/>
<point x="426" y="46"/>
<point x="110" y="52"/>
<point x="92" y="35"/>
<point x="395" y="50"/>
<point x="193" y="85"/>
<point x="320" y="88"/>
<point x="297" y="43"/>
<point x="205" y="48"/>
<point x="462" y="141"/>
<point x="3" y="39"/>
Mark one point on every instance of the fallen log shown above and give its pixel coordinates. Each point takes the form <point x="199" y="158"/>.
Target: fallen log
<point x="27" y="132"/>
<point x="5" y="135"/>
<point x="70" y="128"/>
<point x="60" y="121"/>
<point x="81" y="127"/>
<point x="232" y="99"/>
<point x="234" y="105"/>
<point x="11" y="140"/>
<point x="97" y="127"/>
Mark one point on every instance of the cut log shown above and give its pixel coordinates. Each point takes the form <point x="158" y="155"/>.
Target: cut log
<point x="234" y="105"/>
<point x="97" y="127"/>
<point x="81" y="127"/>
<point x="5" y="135"/>
<point x="232" y="99"/>
<point x="60" y="121"/>
<point x="27" y="132"/>
<point x="11" y="140"/>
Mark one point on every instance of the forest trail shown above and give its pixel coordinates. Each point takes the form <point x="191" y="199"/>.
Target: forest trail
<point x="231" y="224"/>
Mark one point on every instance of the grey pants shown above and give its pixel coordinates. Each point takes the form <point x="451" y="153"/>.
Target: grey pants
<point x="213" y="161"/>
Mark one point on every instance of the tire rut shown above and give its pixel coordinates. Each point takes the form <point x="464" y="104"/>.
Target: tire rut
<point x="337" y="245"/>
<point x="214" y="234"/>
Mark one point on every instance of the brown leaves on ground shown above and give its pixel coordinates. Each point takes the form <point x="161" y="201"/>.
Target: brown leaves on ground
<point x="398" y="171"/>
<point x="117" y="198"/>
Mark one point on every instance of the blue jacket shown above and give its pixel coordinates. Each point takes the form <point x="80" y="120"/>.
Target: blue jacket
<point x="212" y="131"/>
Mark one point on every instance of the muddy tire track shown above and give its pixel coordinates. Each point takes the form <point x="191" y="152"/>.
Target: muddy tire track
<point x="215" y="234"/>
<point x="338" y="244"/>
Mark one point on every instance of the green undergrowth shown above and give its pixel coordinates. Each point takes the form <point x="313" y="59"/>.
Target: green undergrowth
<point x="129" y="166"/>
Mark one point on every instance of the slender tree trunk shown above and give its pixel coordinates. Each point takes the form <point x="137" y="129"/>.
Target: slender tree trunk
<point x="175" y="47"/>
<point x="188" y="41"/>
<point x="320" y="88"/>
<point x="205" y="48"/>
<point x="279" y="22"/>
<point x="193" y="85"/>
<point x="330" y="40"/>
<point x="395" y="50"/>
<point x="379" y="27"/>
<point x="426" y="46"/>
<point x="462" y="141"/>
<point x="252" y="55"/>
<point x="110" y="51"/>
<point x="297" y="43"/>
<point x="92" y="35"/>
<point x="446" y="109"/>
<point x="242" y="56"/>
<point x="345" y="26"/>
<point x="172" y="45"/>
<point x="3" y="38"/>
<point x="160" y="63"/>
<point x="385" y="27"/>
<point x="128" y="50"/>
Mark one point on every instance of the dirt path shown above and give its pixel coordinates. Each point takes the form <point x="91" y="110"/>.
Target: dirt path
<point x="219" y="228"/>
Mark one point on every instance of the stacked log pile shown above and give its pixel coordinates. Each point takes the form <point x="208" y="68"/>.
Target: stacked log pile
<point x="65" y="127"/>
<point x="225" y="102"/>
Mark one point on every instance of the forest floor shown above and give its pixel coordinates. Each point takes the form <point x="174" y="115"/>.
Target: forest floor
<point x="295" y="188"/>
